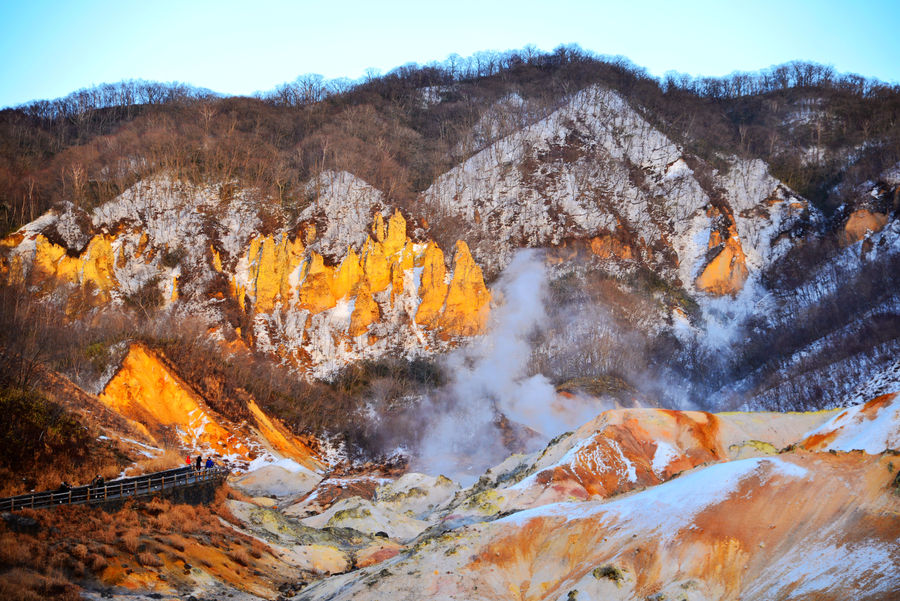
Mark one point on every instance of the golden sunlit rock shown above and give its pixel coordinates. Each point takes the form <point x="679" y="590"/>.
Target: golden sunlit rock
<point x="216" y="259"/>
<point x="433" y="286"/>
<point x="281" y="440"/>
<point x="316" y="293"/>
<point x="147" y="392"/>
<point x="348" y="276"/>
<point x="376" y="266"/>
<point x="861" y="223"/>
<point x="365" y="313"/>
<point x="275" y="273"/>
<point x="468" y="299"/>
<point x="401" y="265"/>
<point x="272" y="262"/>
<point x="378" y="228"/>
<point x="607" y="246"/>
<point x="93" y="268"/>
<point x="727" y="271"/>
<point x="396" y="236"/>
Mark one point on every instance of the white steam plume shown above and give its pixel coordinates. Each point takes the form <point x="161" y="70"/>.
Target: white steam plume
<point x="490" y="377"/>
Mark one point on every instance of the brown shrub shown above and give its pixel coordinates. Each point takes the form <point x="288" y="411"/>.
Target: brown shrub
<point x="13" y="550"/>
<point x="240" y="556"/>
<point x="97" y="562"/>
<point x="187" y="518"/>
<point x="106" y="536"/>
<point x="77" y="568"/>
<point x="163" y="522"/>
<point x="130" y="540"/>
<point x="26" y="585"/>
<point x="220" y="508"/>
<point x="172" y="542"/>
<point x="149" y="559"/>
<point x="60" y="559"/>
<point x="168" y="460"/>
<point x="79" y="551"/>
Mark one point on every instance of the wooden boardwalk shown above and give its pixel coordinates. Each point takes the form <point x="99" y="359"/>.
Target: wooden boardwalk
<point x="125" y="488"/>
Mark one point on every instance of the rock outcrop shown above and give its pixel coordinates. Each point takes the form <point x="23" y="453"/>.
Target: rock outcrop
<point x="167" y="245"/>
<point x="148" y="392"/>
<point x="861" y="223"/>
<point x="726" y="271"/>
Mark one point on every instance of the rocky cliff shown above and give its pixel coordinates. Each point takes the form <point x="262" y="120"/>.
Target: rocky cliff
<point x="165" y="246"/>
<point x="705" y="262"/>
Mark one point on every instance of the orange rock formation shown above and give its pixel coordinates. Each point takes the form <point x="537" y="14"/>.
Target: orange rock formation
<point x="459" y="308"/>
<point x="468" y="299"/>
<point x="92" y="269"/>
<point x="147" y="392"/>
<point x="860" y="224"/>
<point x="727" y="271"/>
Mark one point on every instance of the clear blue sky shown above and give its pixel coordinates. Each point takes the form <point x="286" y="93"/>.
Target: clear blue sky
<point x="52" y="48"/>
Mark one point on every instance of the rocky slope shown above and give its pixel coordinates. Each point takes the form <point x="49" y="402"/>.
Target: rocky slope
<point x="356" y="266"/>
<point x="766" y="524"/>
<point x="168" y="246"/>
<point x="636" y="503"/>
<point x="703" y="264"/>
<point x="168" y="411"/>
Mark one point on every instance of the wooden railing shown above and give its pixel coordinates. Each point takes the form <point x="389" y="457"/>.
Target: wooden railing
<point x="138" y="486"/>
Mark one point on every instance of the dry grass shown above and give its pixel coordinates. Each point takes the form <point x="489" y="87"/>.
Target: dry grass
<point x="168" y="460"/>
<point x="22" y="584"/>
<point x="79" y="551"/>
<point x="130" y="541"/>
<point x="149" y="559"/>
<point x="76" y="544"/>
<point x="172" y="542"/>
<point x="97" y="563"/>
<point x="241" y="557"/>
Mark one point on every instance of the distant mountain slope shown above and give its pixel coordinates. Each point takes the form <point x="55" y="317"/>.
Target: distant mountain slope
<point x="318" y="229"/>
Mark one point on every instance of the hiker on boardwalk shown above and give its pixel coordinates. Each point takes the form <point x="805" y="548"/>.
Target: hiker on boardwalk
<point x="210" y="463"/>
<point x="187" y="461"/>
<point x="199" y="462"/>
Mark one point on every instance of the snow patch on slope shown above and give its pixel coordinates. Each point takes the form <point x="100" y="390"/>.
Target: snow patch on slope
<point x="672" y="505"/>
<point x="857" y="429"/>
